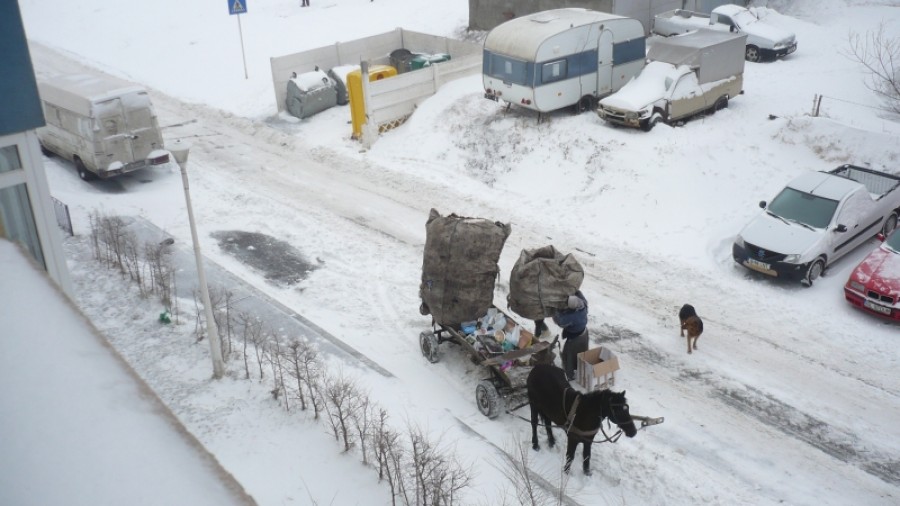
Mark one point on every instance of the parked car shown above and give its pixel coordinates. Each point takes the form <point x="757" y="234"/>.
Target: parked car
<point x="764" y="41"/>
<point x="874" y="285"/>
<point x="816" y="219"/>
<point x="686" y="75"/>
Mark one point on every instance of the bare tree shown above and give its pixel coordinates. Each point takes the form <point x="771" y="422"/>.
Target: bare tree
<point x="363" y="417"/>
<point x="301" y="358"/>
<point x="389" y="455"/>
<point x="437" y="474"/>
<point x="879" y="53"/>
<point x="341" y="403"/>
<point x="276" y="360"/>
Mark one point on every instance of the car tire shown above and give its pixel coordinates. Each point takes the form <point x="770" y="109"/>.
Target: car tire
<point x="815" y="270"/>
<point x="751" y="54"/>
<point x="721" y="103"/>
<point x="83" y="172"/>
<point x="46" y="152"/>
<point x="890" y="224"/>
<point x="651" y="122"/>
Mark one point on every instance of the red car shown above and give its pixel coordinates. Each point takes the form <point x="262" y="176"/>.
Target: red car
<point x="874" y="285"/>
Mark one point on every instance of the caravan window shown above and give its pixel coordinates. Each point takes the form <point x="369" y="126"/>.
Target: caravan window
<point x="507" y="69"/>
<point x="553" y="71"/>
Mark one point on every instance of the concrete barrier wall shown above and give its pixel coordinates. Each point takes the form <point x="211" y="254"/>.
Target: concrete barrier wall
<point x="391" y="100"/>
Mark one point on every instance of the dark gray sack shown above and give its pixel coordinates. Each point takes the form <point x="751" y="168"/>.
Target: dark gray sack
<point x="460" y="267"/>
<point x="541" y="281"/>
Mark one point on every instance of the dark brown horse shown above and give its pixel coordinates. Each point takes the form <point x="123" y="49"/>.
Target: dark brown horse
<point x="580" y="414"/>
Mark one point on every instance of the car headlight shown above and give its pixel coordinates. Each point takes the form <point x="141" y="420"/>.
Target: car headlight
<point x="856" y="285"/>
<point x="792" y="259"/>
<point x="739" y="241"/>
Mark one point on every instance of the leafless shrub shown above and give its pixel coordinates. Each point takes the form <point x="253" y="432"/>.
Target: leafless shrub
<point x="303" y="366"/>
<point x="341" y="402"/>
<point x="389" y="455"/>
<point x="276" y="358"/>
<point x="879" y="53"/>
<point x="437" y="474"/>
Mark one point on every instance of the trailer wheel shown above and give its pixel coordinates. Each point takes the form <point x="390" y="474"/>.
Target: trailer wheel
<point x="428" y="342"/>
<point x="752" y="54"/>
<point x="487" y="398"/>
<point x="587" y="103"/>
<point x="890" y="224"/>
<point x="83" y="172"/>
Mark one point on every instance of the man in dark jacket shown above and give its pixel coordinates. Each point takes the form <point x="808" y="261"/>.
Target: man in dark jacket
<point x="573" y="320"/>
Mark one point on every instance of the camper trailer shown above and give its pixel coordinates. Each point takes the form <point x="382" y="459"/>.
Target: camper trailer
<point x="105" y="126"/>
<point x="561" y="57"/>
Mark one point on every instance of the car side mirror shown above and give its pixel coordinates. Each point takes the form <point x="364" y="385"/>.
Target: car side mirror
<point x="840" y="228"/>
<point x="762" y="204"/>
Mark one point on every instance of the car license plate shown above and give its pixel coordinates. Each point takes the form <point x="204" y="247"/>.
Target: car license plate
<point x="758" y="266"/>
<point x="877" y="308"/>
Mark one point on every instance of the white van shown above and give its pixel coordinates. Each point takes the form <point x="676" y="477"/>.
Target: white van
<point x="105" y="126"/>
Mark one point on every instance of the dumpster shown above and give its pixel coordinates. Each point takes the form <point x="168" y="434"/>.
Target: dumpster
<point x="420" y="61"/>
<point x="310" y="93"/>
<point x="339" y="75"/>
<point x="400" y="59"/>
<point x="357" y="101"/>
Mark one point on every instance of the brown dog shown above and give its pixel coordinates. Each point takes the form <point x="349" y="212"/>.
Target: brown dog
<point x="692" y="323"/>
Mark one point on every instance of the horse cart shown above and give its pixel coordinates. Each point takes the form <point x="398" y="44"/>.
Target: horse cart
<point x="459" y="270"/>
<point x="498" y="351"/>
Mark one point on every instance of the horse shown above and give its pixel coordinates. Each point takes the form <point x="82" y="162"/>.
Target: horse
<point x="552" y="399"/>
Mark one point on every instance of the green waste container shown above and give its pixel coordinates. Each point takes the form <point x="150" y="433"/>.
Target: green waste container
<point x="419" y="61"/>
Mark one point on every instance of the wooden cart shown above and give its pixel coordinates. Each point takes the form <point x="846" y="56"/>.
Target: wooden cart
<point x="508" y="370"/>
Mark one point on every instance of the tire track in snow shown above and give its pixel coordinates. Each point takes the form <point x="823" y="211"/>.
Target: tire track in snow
<point x="766" y="409"/>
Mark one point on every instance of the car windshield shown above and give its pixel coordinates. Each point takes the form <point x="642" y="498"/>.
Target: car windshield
<point x="893" y="242"/>
<point x="803" y="207"/>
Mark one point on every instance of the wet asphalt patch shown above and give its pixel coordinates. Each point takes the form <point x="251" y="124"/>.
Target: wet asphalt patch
<point x="281" y="263"/>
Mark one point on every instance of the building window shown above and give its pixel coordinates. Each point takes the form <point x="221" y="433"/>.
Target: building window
<point x="9" y="159"/>
<point x="17" y="221"/>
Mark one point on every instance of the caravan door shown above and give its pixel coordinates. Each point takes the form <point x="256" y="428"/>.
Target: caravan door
<point x="604" y="63"/>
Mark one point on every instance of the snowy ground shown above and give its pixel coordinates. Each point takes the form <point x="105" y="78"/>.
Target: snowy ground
<point x="792" y="396"/>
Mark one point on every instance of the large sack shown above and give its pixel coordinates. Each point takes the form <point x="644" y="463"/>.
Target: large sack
<point x="541" y="281"/>
<point x="460" y="267"/>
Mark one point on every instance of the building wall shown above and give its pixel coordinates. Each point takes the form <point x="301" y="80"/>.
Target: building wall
<point x="26" y="211"/>
<point x="486" y="14"/>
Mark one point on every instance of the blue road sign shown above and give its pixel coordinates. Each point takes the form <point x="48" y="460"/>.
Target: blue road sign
<point x="237" y="6"/>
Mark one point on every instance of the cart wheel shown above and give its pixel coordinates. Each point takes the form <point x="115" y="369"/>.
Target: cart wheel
<point x="429" y="344"/>
<point x="488" y="399"/>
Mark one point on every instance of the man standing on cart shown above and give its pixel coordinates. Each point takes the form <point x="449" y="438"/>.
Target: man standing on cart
<point x="573" y="320"/>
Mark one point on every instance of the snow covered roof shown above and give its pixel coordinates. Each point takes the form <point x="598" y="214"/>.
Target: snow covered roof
<point x="824" y="185"/>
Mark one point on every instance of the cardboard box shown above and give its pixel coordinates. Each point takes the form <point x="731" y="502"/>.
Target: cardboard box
<point x="596" y="368"/>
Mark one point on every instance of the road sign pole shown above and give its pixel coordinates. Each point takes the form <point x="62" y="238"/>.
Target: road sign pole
<point x="241" y="33"/>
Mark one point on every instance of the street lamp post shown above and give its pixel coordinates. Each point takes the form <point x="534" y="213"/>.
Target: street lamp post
<point x="180" y="151"/>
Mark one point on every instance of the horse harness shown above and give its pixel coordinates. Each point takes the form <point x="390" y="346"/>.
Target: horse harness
<point x="587" y="434"/>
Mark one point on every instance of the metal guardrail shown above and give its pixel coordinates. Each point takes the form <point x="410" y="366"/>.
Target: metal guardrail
<point x="63" y="219"/>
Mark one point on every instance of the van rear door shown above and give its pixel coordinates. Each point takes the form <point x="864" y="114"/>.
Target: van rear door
<point x="114" y="133"/>
<point x="142" y="125"/>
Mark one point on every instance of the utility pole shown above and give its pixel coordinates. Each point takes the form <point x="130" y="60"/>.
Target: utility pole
<point x="180" y="152"/>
